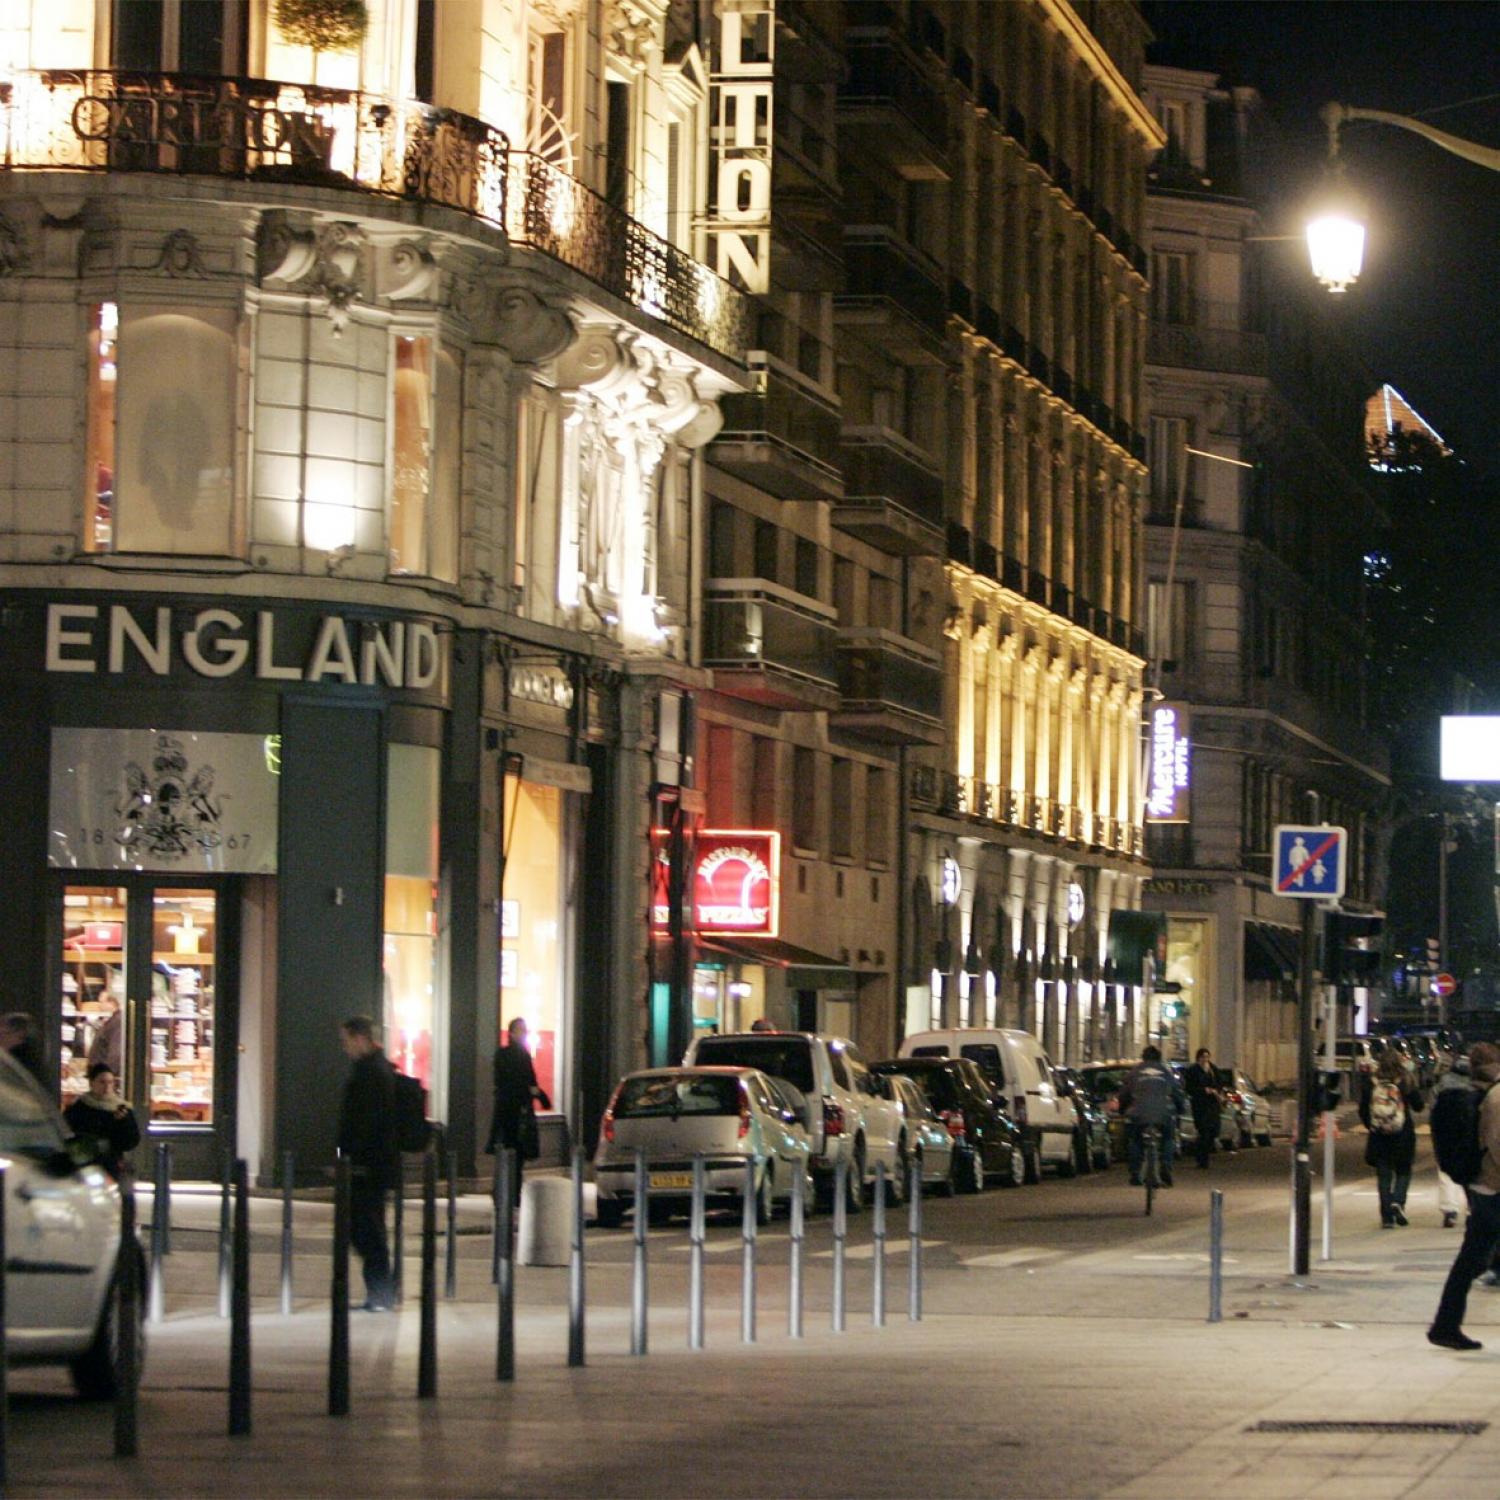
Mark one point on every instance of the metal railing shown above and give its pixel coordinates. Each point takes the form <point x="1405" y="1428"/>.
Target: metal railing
<point x="878" y="669"/>
<point x="263" y="131"/>
<point x="746" y="624"/>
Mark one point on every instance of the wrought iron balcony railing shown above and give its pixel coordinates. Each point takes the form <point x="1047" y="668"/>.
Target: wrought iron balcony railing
<point x="263" y="131"/>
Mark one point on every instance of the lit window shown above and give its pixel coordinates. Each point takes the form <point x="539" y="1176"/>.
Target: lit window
<point x="425" y="457"/>
<point x="99" y="479"/>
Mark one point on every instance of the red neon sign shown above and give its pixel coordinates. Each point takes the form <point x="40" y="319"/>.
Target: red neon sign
<point x="736" y="884"/>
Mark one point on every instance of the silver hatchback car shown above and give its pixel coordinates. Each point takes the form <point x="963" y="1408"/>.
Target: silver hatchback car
<point x="727" y="1115"/>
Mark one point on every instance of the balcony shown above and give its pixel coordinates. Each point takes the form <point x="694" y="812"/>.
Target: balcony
<point x="887" y="107"/>
<point x="782" y="437"/>
<point x="770" y="645"/>
<point x="264" y="132"/>
<point x="892" y="688"/>
<point x="809" y="41"/>
<point x="892" y="499"/>
<point x="1209" y="341"/>
<point x="893" y="296"/>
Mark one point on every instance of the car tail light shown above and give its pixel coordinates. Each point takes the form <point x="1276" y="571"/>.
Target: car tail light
<point x="954" y="1120"/>
<point x="607" y="1126"/>
<point x="1020" y="1109"/>
<point x="833" y="1116"/>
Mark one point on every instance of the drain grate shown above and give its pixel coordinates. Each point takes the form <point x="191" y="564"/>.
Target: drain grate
<point x="1453" y="1429"/>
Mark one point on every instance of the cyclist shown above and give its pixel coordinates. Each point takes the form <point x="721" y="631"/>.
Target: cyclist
<point x="1151" y="1095"/>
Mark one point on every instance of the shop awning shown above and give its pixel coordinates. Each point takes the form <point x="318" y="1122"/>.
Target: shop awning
<point x="805" y="970"/>
<point x="1271" y="953"/>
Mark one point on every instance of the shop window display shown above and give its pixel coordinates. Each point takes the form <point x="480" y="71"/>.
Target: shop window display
<point x="93" y="985"/>
<point x="410" y="938"/>
<point x="180" y="1044"/>
<point x="532" y="923"/>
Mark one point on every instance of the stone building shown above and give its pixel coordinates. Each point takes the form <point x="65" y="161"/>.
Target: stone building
<point x="353" y="404"/>
<point x="1261" y="514"/>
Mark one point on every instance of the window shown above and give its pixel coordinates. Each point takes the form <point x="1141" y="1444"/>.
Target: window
<point x="618" y="169"/>
<point x="424" y="67"/>
<point x="547" y="111"/>
<point x="1172" y="287"/>
<point x="1168" y="623"/>
<point x="841" y="810"/>
<point x="410" y="943"/>
<point x="763" y="781"/>
<point x="163" y="391"/>
<point x="767" y="548"/>
<point x="805" y="803"/>
<point x="807" y="567"/>
<point x="180" y="36"/>
<point x="1169" y="460"/>
<point x="533" y="549"/>
<point x="426" y="423"/>
<point x="877" y="815"/>
<point x="723" y="524"/>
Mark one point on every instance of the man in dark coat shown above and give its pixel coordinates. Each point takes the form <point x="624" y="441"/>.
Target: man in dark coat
<point x="513" y="1127"/>
<point x="367" y="1136"/>
<point x="1201" y="1081"/>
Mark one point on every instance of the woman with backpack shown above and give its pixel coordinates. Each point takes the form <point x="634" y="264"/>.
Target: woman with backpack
<point x="1387" y="1102"/>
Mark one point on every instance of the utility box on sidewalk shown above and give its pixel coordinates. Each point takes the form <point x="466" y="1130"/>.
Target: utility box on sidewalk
<point x="545" y="1237"/>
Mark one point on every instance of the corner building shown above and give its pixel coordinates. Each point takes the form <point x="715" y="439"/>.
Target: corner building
<point x="353" y="405"/>
<point x="922" y="596"/>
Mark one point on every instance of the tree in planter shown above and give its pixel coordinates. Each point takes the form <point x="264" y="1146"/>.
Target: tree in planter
<point x="323" y="25"/>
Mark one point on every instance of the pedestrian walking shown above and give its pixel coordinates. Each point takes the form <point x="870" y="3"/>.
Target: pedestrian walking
<point x="104" y="1120"/>
<point x="367" y="1136"/>
<point x="1450" y="1194"/>
<point x="1482" y="1229"/>
<point x="513" y="1126"/>
<point x="1205" y="1099"/>
<point x="18" y="1036"/>
<point x="1387" y="1102"/>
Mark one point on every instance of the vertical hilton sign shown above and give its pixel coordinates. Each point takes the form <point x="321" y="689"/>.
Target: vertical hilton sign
<point x="739" y="219"/>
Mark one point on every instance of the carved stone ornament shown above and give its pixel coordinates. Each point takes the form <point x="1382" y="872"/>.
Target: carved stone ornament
<point x="528" y="328"/>
<point x="632" y="30"/>
<point x="13" y="255"/>
<point x="181" y="255"/>
<point x="340" y="254"/>
<point x="413" y="273"/>
<point x="283" y="253"/>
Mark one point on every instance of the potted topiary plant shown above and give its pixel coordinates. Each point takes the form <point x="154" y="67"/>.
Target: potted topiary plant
<point x="323" y="25"/>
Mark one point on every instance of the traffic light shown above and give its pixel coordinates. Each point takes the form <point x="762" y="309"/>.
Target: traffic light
<point x="1351" y="948"/>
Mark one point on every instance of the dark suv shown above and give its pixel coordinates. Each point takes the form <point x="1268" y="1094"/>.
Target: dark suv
<point x="986" y="1141"/>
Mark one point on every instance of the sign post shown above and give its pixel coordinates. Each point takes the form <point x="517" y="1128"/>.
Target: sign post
<point x="1308" y="863"/>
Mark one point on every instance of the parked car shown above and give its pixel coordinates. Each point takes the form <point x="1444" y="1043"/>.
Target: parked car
<point x="847" y="1117"/>
<point x="986" y="1141"/>
<point x="1021" y="1072"/>
<point x="62" y="1215"/>
<point x="729" y="1115"/>
<point x="1358" y="1055"/>
<point x="1411" y="1060"/>
<point x="929" y="1144"/>
<point x="1250" y="1108"/>
<point x="1449" y="1043"/>
<point x="1430" y="1064"/>
<point x="1091" y="1147"/>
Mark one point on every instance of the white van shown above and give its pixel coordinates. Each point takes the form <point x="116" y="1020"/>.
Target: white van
<point x="1021" y="1073"/>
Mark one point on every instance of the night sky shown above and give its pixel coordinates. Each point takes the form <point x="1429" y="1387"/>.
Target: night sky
<point x="1425" y="313"/>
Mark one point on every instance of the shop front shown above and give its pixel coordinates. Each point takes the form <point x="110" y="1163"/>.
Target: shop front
<point x="222" y="840"/>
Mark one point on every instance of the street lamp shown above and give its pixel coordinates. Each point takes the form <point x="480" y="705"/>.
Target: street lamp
<point x="1336" y="236"/>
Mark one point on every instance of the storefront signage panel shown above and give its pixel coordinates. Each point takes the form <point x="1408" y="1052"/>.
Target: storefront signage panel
<point x="1169" y="776"/>
<point x="736" y="882"/>
<point x="171" y="801"/>
<point x="111" y="640"/>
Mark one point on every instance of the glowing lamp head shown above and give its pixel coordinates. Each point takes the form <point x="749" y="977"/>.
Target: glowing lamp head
<point x="1336" y="247"/>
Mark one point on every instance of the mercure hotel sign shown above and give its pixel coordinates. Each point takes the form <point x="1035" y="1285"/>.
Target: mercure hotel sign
<point x="217" y="642"/>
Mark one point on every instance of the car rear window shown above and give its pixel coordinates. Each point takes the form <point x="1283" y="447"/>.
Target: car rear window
<point x="787" y="1057"/>
<point x="986" y="1055"/>
<point x="1103" y="1082"/>
<point x="677" y="1094"/>
<point x="936" y="1083"/>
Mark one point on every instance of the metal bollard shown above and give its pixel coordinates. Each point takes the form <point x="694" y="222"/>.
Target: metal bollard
<point x="914" y="1237"/>
<point x="239" y="1323"/>
<point x="427" y="1345"/>
<point x="495" y="1187"/>
<point x="840" y="1231"/>
<point x="156" y="1294"/>
<point x="641" y="1213"/>
<point x="696" y="1231"/>
<point x="288" y="1165"/>
<point x="164" y="1194"/>
<point x="226" y="1239"/>
<point x="747" y="1268"/>
<point x="1216" y="1256"/>
<point x="127" y="1326"/>
<point x="877" y="1312"/>
<point x="505" y="1264"/>
<point x="398" y="1236"/>
<point x="575" y="1267"/>
<point x="799" y="1220"/>
<point x="338" y="1337"/>
<point x="450" y="1269"/>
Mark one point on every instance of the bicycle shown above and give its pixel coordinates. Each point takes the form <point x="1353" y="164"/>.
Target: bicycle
<point x="1150" y="1161"/>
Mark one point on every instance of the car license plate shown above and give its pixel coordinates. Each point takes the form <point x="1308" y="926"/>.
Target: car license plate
<point x="671" y="1179"/>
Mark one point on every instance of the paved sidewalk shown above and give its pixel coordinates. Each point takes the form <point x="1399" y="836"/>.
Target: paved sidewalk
<point x="1040" y="1371"/>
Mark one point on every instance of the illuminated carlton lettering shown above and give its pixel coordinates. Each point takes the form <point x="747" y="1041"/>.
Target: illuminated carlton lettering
<point x="1167" y="798"/>
<point x="739" y="217"/>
